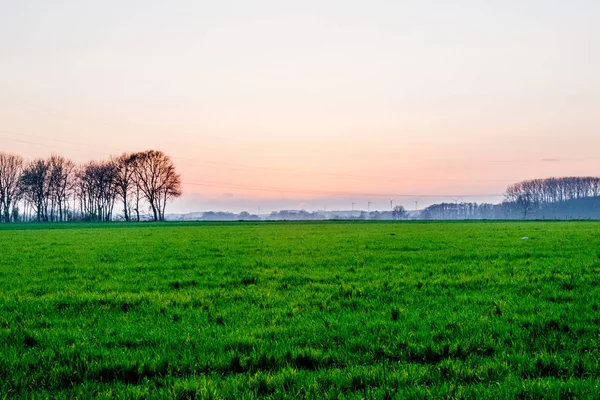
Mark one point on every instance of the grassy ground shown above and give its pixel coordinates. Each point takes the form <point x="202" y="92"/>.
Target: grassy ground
<point x="339" y="310"/>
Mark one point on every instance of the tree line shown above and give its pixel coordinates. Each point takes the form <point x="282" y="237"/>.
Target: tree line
<point x="536" y="194"/>
<point x="567" y="197"/>
<point x="56" y="189"/>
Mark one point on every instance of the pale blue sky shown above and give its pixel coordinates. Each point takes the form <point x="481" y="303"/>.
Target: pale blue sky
<point x="455" y="97"/>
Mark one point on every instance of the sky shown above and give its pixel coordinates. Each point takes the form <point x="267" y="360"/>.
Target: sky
<point x="308" y="104"/>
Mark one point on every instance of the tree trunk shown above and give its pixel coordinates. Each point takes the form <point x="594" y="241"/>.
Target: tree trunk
<point x="125" y="207"/>
<point x="154" y="211"/>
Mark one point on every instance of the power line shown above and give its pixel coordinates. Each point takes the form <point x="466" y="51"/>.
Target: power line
<point x="331" y="193"/>
<point x="51" y="145"/>
<point x="280" y="190"/>
<point x="242" y="167"/>
<point x="543" y="159"/>
<point x="57" y="140"/>
<point x="34" y="110"/>
<point x="248" y="168"/>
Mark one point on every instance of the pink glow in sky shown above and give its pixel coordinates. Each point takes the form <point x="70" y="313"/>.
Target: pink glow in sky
<point x="294" y="104"/>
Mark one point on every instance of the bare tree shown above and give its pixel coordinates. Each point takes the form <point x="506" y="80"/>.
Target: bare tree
<point x="523" y="195"/>
<point x="137" y="199"/>
<point x="11" y="167"/>
<point x="97" y="190"/>
<point x="525" y="203"/>
<point x="399" y="212"/>
<point x="62" y="172"/>
<point x="35" y="186"/>
<point x="157" y="180"/>
<point x="125" y="183"/>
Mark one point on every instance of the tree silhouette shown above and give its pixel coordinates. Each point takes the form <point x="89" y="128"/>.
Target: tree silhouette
<point x="157" y="180"/>
<point x="399" y="212"/>
<point x="11" y="167"/>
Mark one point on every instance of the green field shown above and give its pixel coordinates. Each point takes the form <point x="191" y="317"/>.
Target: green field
<point x="318" y="310"/>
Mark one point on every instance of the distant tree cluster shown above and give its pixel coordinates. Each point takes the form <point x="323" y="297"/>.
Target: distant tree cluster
<point x="538" y="194"/>
<point x="554" y="190"/>
<point x="455" y="211"/>
<point x="55" y="189"/>
<point x="569" y="197"/>
<point x="294" y="215"/>
<point x="228" y="216"/>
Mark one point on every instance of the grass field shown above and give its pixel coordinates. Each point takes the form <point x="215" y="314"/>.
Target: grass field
<point x="338" y="310"/>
